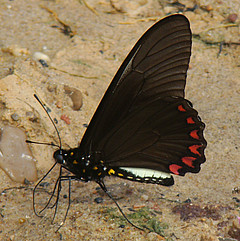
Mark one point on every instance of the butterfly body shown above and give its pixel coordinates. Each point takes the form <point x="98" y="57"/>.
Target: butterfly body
<point x="178" y="145"/>
<point x="91" y="168"/>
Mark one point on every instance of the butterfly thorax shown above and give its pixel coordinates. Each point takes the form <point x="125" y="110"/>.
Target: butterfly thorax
<point x="85" y="167"/>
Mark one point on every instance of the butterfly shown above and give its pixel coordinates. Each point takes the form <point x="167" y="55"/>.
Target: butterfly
<point x="143" y="130"/>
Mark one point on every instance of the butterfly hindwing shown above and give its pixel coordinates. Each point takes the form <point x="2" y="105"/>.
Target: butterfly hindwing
<point x="165" y="135"/>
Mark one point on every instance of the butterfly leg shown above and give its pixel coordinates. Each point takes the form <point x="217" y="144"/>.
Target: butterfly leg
<point x="104" y="188"/>
<point x="34" y="191"/>
<point x="57" y="189"/>
<point x="60" y="179"/>
<point x="65" y="178"/>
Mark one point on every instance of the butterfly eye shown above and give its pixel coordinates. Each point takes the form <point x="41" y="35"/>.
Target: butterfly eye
<point x="58" y="156"/>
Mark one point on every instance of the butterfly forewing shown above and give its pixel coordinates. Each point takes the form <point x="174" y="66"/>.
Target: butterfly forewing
<point x="143" y="120"/>
<point x="155" y="67"/>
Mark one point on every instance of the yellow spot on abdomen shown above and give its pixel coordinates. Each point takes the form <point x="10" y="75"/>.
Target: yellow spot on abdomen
<point x="120" y="174"/>
<point x="75" y="162"/>
<point x="111" y="171"/>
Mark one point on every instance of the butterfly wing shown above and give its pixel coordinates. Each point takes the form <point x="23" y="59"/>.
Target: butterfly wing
<point x="143" y="120"/>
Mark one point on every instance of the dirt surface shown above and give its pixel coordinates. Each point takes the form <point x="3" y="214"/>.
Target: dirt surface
<point x="103" y="32"/>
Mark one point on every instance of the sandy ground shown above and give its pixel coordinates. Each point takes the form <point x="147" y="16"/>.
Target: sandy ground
<point x="104" y="32"/>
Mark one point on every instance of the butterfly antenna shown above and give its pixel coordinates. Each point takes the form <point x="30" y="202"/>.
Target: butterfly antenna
<point x="41" y="143"/>
<point x="47" y="111"/>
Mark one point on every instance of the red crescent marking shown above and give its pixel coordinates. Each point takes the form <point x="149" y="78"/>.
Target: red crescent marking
<point x="194" y="134"/>
<point x="188" y="160"/>
<point x="190" y="120"/>
<point x="180" y="108"/>
<point x="194" y="148"/>
<point x="174" y="169"/>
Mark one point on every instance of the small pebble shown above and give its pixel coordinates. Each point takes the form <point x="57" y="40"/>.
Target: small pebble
<point x="235" y="190"/>
<point x="55" y="120"/>
<point x="32" y="117"/>
<point x="144" y="197"/>
<point x="236" y="199"/>
<point x="29" y="114"/>
<point x="21" y="220"/>
<point x="76" y="97"/>
<point x="12" y="237"/>
<point x="232" y="18"/>
<point x="208" y="7"/>
<point x="59" y="104"/>
<point x="16" y="51"/>
<point x="43" y="63"/>
<point x="41" y="56"/>
<point x="138" y="206"/>
<point x="98" y="200"/>
<point x="26" y="182"/>
<point x="52" y="87"/>
<point x="44" y="184"/>
<point x="66" y="119"/>
<point x="187" y="200"/>
<point x="15" y="117"/>
<point x="131" y="209"/>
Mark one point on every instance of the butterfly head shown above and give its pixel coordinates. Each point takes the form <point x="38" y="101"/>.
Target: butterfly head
<point x="60" y="156"/>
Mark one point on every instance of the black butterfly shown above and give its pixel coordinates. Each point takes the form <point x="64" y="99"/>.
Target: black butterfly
<point x="143" y="129"/>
